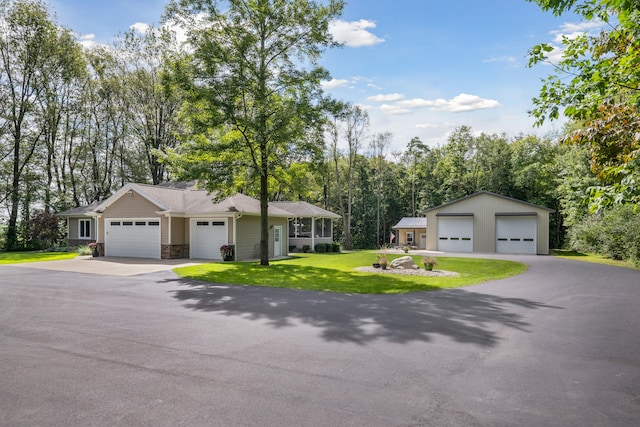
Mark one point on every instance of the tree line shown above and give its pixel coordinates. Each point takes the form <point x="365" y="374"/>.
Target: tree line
<point x="241" y="110"/>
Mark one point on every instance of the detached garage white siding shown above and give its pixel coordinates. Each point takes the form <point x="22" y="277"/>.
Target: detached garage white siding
<point x="524" y="225"/>
<point x="455" y="234"/>
<point x="132" y="237"/>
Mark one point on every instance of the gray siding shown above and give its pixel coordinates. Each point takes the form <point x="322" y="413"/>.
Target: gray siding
<point x="484" y="208"/>
<point x="248" y="237"/>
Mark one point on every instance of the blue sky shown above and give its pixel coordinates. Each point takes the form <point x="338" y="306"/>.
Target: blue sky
<point x="420" y="67"/>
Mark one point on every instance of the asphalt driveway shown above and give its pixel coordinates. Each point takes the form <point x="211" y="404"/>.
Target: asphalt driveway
<point x="558" y="345"/>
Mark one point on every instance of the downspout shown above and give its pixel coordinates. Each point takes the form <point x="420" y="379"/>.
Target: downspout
<point x="313" y="234"/>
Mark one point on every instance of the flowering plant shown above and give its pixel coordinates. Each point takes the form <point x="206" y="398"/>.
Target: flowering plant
<point x="92" y="245"/>
<point x="226" y="250"/>
<point x="429" y="262"/>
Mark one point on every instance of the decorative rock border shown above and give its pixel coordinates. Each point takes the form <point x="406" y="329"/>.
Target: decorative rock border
<point x="416" y="272"/>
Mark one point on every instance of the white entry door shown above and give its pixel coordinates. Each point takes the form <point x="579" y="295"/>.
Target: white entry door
<point x="516" y="235"/>
<point x="455" y="234"/>
<point x="132" y="237"/>
<point x="277" y="241"/>
<point x="207" y="235"/>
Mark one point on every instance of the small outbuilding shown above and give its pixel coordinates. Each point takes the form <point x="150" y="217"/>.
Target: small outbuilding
<point x="489" y="223"/>
<point x="411" y="231"/>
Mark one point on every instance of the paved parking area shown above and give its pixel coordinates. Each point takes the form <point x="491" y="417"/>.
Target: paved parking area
<point x="555" y="346"/>
<point x="111" y="266"/>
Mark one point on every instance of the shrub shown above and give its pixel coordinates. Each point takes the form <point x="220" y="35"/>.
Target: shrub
<point x="614" y="234"/>
<point x="292" y="248"/>
<point x="320" y="248"/>
<point x="306" y="248"/>
<point x="43" y="231"/>
<point x="84" y="250"/>
<point x="335" y="247"/>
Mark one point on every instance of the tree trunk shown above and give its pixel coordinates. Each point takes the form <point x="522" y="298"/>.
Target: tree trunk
<point x="264" y="207"/>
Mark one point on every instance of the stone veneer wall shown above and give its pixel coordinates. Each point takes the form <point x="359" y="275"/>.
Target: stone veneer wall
<point x="174" y="251"/>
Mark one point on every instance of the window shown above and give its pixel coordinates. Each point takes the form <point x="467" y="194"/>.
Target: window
<point x="202" y="223"/>
<point x="115" y="222"/>
<point x="300" y="227"/>
<point x="127" y="222"/>
<point x="409" y="237"/>
<point x="323" y="227"/>
<point x="156" y="223"/>
<point x="141" y="223"/>
<point x="85" y="228"/>
<point x="217" y="223"/>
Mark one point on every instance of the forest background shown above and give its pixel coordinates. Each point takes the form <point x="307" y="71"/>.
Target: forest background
<point x="77" y="124"/>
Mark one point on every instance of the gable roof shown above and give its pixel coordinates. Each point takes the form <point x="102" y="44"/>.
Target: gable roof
<point x="479" y="193"/>
<point x="412" y="222"/>
<point x="304" y="209"/>
<point x="186" y="199"/>
<point x="80" y="210"/>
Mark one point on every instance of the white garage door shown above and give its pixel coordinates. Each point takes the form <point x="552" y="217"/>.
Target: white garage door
<point x="516" y="235"/>
<point x="455" y="234"/>
<point x="135" y="238"/>
<point x="207" y="236"/>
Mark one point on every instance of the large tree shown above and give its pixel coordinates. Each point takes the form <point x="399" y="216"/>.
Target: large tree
<point x="254" y="85"/>
<point x="597" y="83"/>
<point x="34" y="52"/>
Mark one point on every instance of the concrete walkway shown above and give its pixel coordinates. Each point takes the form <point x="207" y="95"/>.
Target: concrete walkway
<point x="111" y="266"/>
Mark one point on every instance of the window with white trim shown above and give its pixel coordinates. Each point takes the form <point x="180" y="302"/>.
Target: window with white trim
<point x="84" y="229"/>
<point x="409" y="237"/>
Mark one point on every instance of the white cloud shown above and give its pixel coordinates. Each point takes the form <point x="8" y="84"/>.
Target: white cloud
<point x="414" y="103"/>
<point x="464" y="102"/>
<point x="140" y="27"/>
<point x="334" y="83"/>
<point x="511" y="60"/>
<point x="434" y="125"/>
<point x="355" y="33"/>
<point x="389" y="97"/>
<point x="87" y="41"/>
<point x="393" y="109"/>
<point x="457" y="104"/>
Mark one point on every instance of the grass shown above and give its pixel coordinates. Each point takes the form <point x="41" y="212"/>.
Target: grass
<point x="598" y="259"/>
<point x="334" y="272"/>
<point x="34" y="256"/>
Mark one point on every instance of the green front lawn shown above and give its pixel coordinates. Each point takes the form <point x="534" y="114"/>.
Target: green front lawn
<point x="335" y="273"/>
<point x="579" y="256"/>
<point x="20" y="257"/>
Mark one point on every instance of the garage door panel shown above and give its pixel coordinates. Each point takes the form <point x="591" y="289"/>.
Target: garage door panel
<point x="134" y="238"/>
<point x="516" y="235"/>
<point x="455" y="234"/>
<point x="206" y="238"/>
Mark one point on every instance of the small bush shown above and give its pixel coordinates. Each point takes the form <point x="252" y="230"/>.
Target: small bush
<point x="306" y="248"/>
<point x="320" y="248"/>
<point x="292" y="248"/>
<point x="84" y="250"/>
<point x="336" y="247"/>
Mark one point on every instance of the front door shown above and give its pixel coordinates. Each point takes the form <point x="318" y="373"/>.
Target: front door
<point x="277" y="241"/>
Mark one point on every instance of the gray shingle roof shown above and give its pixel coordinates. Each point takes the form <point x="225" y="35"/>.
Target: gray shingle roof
<point x="412" y="222"/>
<point x="80" y="210"/>
<point x="187" y="199"/>
<point x="304" y="209"/>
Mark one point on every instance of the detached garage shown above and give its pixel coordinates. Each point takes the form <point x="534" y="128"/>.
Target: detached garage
<point x="489" y="223"/>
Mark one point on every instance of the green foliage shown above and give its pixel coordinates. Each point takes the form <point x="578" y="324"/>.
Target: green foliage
<point x="84" y="250"/>
<point x="43" y="231"/>
<point x="253" y="84"/>
<point x="614" y="233"/>
<point x="597" y="83"/>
